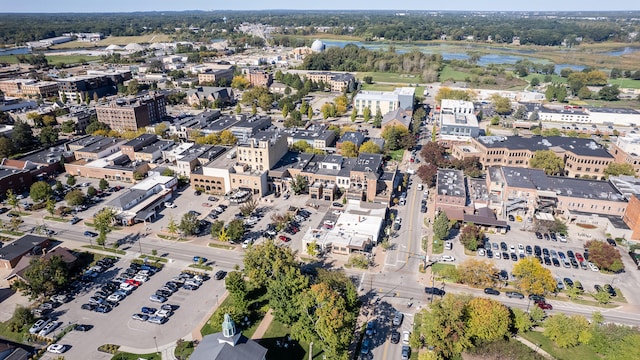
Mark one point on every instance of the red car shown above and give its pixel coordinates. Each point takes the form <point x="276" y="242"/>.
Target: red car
<point x="284" y="238"/>
<point x="205" y="204"/>
<point x="133" y="282"/>
<point x="544" y="305"/>
<point x="579" y="257"/>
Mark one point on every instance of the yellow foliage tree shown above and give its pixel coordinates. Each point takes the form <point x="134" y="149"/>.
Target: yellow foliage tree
<point x="532" y="277"/>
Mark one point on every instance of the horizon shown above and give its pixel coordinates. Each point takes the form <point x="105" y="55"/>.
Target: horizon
<point x="126" y="6"/>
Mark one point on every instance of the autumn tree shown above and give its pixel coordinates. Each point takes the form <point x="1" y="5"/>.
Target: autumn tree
<point x="501" y="104"/>
<point x="604" y="256"/>
<point x="444" y="327"/>
<point x="441" y="226"/>
<point x="532" y="277"/>
<point x="267" y="261"/>
<point x="240" y="82"/>
<point x="43" y="277"/>
<point x="448" y="93"/>
<point x="102" y="222"/>
<point x="521" y="320"/>
<point x="477" y="273"/>
<point x="434" y="153"/>
<point x="548" y="161"/>
<point x="348" y="149"/>
<point x="397" y="137"/>
<point x="341" y="104"/>
<point x="470" y="236"/>
<point x="299" y="184"/>
<point x="74" y="197"/>
<point x="369" y="147"/>
<point x="427" y="174"/>
<point x="366" y="114"/>
<point x="249" y="206"/>
<point x="567" y="331"/>
<point x="488" y="320"/>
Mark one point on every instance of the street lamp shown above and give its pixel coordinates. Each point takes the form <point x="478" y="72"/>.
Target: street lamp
<point x="156" y="341"/>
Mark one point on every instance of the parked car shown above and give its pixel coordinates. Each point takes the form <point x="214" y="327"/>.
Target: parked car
<point x="447" y="258"/>
<point x="366" y="346"/>
<point x="434" y="291"/>
<point x="371" y="328"/>
<point x="140" y="317"/>
<point x="405" y="337"/>
<point x="395" y="337"/>
<point x="406" y="352"/>
<point x="397" y="318"/>
<point x="491" y="291"/>
<point x="157" y="298"/>
<point x="47" y="329"/>
<point x="158" y="320"/>
<point x="608" y="288"/>
<point x="148" y="310"/>
<point x="514" y="294"/>
<point x="544" y="305"/>
<point x="56" y="348"/>
<point x="35" y="328"/>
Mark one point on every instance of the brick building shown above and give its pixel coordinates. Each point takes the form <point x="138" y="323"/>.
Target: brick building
<point x="29" y="88"/>
<point x="259" y="78"/>
<point x="133" y="113"/>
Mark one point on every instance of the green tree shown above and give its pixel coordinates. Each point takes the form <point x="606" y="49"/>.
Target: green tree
<point x="354" y="115"/>
<point x="235" y="229"/>
<point x="444" y="326"/>
<point x="216" y="227"/>
<point x="43" y="277"/>
<point x="102" y="222"/>
<point x="74" y="197"/>
<point x="95" y="126"/>
<point x="237" y="287"/>
<point x="50" y="206"/>
<point x="532" y="277"/>
<point x="348" y="149"/>
<point x="40" y="191"/>
<point x="6" y="147"/>
<point x="584" y="93"/>
<point x="366" y="114"/>
<point x="377" y="120"/>
<point x="189" y="224"/>
<point x="470" y="236"/>
<point x="249" y="206"/>
<point x="284" y="294"/>
<point x="617" y="169"/>
<point x="501" y="104"/>
<point x="476" y="273"/>
<point x="573" y="292"/>
<point x="254" y="109"/>
<point x="534" y="81"/>
<point x="548" y="161"/>
<point x="238" y="109"/>
<point x="21" y="320"/>
<point x="328" y="110"/>
<point x="71" y="180"/>
<point x="521" y="320"/>
<point x="267" y="261"/>
<point x="370" y="147"/>
<point x="521" y="113"/>
<point x="567" y="331"/>
<point x="172" y="226"/>
<point x="285" y="111"/>
<point x="103" y="184"/>
<point x="537" y="315"/>
<point x="91" y="191"/>
<point x="12" y="200"/>
<point x="441" y="226"/>
<point x="609" y="93"/>
<point x="22" y="135"/>
<point x="48" y="135"/>
<point x="488" y="320"/>
<point x="299" y="184"/>
<point x="134" y="87"/>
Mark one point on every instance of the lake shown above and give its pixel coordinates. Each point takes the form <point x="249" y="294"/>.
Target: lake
<point x="15" y="51"/>
<point x="625" y="51"/>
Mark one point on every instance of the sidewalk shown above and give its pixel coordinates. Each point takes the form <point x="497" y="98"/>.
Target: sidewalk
<point x="264" y="325"/>
<point x="534" y="347"/>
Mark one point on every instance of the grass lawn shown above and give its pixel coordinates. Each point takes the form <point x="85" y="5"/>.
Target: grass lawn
<point x="626" y="83"/>
<point x="391" y="77"/>
<point x="125" y="40"/>
<point x="54" y="59"/>
<point x="279" y="331"/>
<point x="107" y="249"/>
<point x="220" y="246"/>
<point x="380" y="87"/>
<point x="152" y="258"/>
<point x="255" y="303"/>
<point x="582" y="352"/>
<point x="439" y="268"/>
<point x="448" y="73"/>
<point x="397" y="154"/>
<point x="55" y="218"/>
<point x="121" y="355"/>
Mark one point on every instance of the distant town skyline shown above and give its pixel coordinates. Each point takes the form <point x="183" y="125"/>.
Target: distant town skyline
<point x="78" y="6"/>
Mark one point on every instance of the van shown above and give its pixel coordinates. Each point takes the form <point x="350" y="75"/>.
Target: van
<point x="420" y="187"/>
<point x="448" y="245"/>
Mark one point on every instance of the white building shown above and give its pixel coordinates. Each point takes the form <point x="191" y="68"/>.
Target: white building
<point x="599" y="116"/>
<point x="385" y="101"/>
<point x="458" y="121"/>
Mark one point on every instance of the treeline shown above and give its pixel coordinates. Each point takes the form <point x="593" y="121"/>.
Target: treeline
<point x="535" y="29"/>
<point x="353" y="58"/>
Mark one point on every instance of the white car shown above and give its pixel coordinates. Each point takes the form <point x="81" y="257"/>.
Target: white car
<point x="163" y="313"/>
<point x="520" y="248"/>
<point x="127" y="287"/>
<point x="481" y="252"/>
<point x="593" y="267"/>
<point x="56" y="348"/>
<point x="115" y="297"/>
<point x="561" y="237"/>
<point x="447" y="258"/>
<point x="141" y="278"/>
<point x="405" y="337"/>
<point x="246" y="243"/>
<point x="49" y="328"/>
<point x="170" y="205"/>
<point x="38" y="326"/>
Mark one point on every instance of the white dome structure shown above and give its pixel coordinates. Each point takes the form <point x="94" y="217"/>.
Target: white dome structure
<point x="317" y="46"/>
<point x="113" y="47"/>
<point x="134" y="47"/>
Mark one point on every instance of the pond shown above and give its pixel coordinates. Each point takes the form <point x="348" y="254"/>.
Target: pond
<point x="15" y="51"/>
<point x="624" y="51"/>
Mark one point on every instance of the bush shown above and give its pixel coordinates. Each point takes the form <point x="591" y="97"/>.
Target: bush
<point x="183" y="349"/>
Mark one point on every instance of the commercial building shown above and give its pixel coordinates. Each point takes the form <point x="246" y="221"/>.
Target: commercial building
<point x="458" y="122"/>
<point x="18" y="180"/>
<point x="582" y="157"/>
<point x="78" y="88"/>
<point x="259" y="77"/>
<point x="214" y="74"/>
<point x="590" y="115"/>
<point x="451" y="193"/>
<point x="337" y="82"/>
<point x="142" y="201"/>
<point x="317" y="136"/>
<point x="81" y="117"/>
<point x="27" y="244"/>
<point x="29" y="88"/>
<point x="384" y="101"/>
<point x="626" y="150"/>
<point x="133" y="113"/>
<point x="263" y="151"/>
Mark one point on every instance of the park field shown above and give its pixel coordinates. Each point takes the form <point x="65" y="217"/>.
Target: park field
<point x="448" y="73"/>
<point x="124" y="40"/>
<point x="385" y="77"/>
<point x="54" y="59"/>
<point x="626" y="83"/>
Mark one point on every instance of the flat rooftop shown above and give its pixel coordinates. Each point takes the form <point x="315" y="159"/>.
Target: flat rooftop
<point x="450" y="182"/>
<point x="582" y="147"/>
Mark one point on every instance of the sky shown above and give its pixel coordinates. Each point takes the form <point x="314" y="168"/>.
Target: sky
<point x="180" y="5"/>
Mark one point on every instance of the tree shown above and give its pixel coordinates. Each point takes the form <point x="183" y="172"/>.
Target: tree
<point x="172" y="226"/>
<point x="43" y="277"/>
<point x="328" y="110"/>
<point x="102" y="222"/>
<point x="501" y="104"/>
<point x="477" y="273"/>
<point x="521" y="113"/>
<point x="548" y="161"/>
<point x="40" y="191"/>
<point x="521" y="320"/>
<point x="249" y="206"/>
<point x="265" y="101"/>
<point x="237" y="287"/>
<point x="189" y="224"/>
<point x="567" y="331"/>
<point x="609" y="93"/>
<point x="377" y="120"/>
<point x="240" y="82"/>
<point x="301" y="146"/>
<point x="6" y="147"/>
<point x="103" y="184"/>
<point x="366" y="114"/>
<point x="95" y="126"/>
<point x="299" y="184"/>
<point x="74" y="197"/>
<point x="604" y="256"/>
<point x="444" y="326"/>
<point x="470" y="236"/>
<point x="427" y="174"/>
<point x="285" y="111"/>
<point x="433" y="153"/>
<point x="396" y="137"/>
<point x="584" y="93"/>
<point x="267" y="261"/>
<point x="341" y="103"/>
<point x="91" y="191"/>
<point x="216" y="227"/>
<point x="71" y="180"/>
<point x="369" y="147"/>
<point x="12" y="200"/>
<point x="617" y="169"/>
<point x="448" y="93"/>
<point x="227" y="138"/>
<point x="284" y="294"/>
<point x="254" y="109"/>
<point x="22" y="136"/>
<point x="348" y="149"/>
<point x="134" y="87"/>
<point x="354" y="114"/>
<point x="602" y="297"/>
<point x="310" y="112"/>
<point x="50" y="206"/>
<point x="441" y="226"/>
<point x="532" y="277"/>
<point x="238" y="109"/>
<point x="535" y="81"/>
<point x="235" y="230"/>
<point x="21" y="320"/>
<point x="488" y="320"/>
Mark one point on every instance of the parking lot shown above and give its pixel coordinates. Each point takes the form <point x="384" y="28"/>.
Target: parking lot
<point x="516" y="237"/>
<point x="118" y="326"/>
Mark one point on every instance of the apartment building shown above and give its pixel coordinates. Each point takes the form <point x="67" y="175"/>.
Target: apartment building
<point x="78" y="88"/>
<point x="337" y="82"/>
<point x="384" y="101"/>
<point x="626" y="150"/>
<point x="29" y="88"/>
<point x="582" y="157"/>
<point x="259" y="77"/>
<point x="216" y="74"/>
<point x="263" y="151"/>
<point x="458" y="122"/>
<point x="133" y="113"/>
